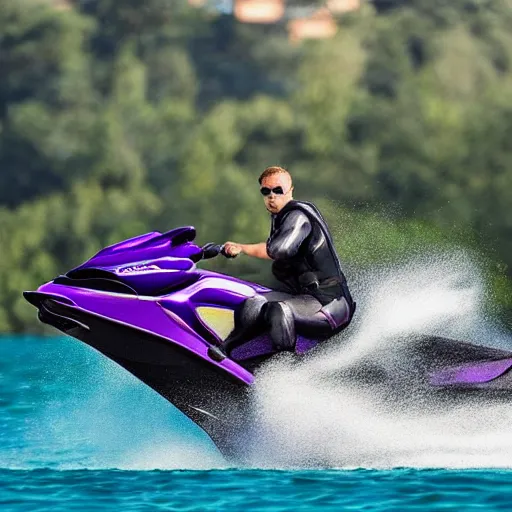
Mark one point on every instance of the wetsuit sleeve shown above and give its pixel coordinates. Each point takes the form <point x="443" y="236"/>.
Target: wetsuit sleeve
<point x="285" y="241"/>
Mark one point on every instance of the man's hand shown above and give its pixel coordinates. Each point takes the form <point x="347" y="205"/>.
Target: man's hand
<point x="256" y="250"/>
<point x="233" y="249"/>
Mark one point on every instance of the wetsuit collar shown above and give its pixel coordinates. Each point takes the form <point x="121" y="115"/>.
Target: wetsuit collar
<point x="290" y="205"/>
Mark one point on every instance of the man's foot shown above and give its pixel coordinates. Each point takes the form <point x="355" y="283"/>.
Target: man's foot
<point x="216" y="353"/>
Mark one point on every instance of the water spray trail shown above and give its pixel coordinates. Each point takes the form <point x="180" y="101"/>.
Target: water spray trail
<point x="304" y="418"/>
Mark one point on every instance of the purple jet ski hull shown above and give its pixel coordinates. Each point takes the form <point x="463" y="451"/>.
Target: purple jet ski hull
<point x="469" y="374"/>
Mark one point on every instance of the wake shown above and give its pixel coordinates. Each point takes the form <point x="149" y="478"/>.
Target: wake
<point x="306" y="419"/>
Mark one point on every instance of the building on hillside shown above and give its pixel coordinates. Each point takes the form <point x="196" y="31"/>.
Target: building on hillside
<point x="259" y="11"/>
<point x="341" y="6"/>
<point x="315" y="20"/>
<point x="319" y="25"/>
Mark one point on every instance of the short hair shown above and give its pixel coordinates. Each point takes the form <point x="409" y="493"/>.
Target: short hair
<point x="270" y="171"/>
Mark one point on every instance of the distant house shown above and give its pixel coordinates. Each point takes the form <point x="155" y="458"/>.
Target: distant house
<point x="340" y="6"/>
<point x="259" y="11"/>
<point x="319" y="25"/>
<point x="303" y="21"/>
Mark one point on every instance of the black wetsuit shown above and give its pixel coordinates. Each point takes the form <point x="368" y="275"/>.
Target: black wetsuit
<point x="315" y="300"/>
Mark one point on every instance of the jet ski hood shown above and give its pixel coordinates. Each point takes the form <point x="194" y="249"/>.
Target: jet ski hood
<point x="177" y="244"/>
<point x="150" y="264"/>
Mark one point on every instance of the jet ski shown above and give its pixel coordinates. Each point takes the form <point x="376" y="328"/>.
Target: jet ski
<point x="145" y="304"/>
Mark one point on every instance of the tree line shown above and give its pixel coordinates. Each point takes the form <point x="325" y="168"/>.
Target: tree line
<point x="117" y="119"/>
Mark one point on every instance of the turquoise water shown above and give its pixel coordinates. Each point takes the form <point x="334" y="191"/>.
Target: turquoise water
<point x="255" y="490"/>
<point x="78" y="433"/>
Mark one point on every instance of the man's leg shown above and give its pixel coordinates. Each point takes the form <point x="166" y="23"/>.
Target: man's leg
<point x="285" y="316"/>
<point x="288" y="317"/>
<point x="316" y="321"/>
<point x="249" y="322"/>
<point x="304" y="315"/>
<point x="280" y="320"/>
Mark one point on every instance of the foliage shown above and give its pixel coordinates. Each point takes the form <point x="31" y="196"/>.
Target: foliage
<point x="117" y="119"/>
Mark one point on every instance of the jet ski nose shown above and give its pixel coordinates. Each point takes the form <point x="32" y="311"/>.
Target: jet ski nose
<point x="37" y="298"/>
<point x="34" y="298"/>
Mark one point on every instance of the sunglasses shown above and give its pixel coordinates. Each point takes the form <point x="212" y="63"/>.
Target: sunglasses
<point x="276" y="190"/>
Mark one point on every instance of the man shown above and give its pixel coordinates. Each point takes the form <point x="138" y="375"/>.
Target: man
<point x="316" y="301"/>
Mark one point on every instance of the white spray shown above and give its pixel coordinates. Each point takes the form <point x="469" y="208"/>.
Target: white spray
<point x="304" y="421"/>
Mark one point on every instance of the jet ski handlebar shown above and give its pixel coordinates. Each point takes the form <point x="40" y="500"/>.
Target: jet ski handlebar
<point x="211" y="250"/>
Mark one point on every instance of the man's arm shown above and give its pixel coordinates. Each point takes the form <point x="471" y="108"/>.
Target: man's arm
<point x="255" y="250"/>
<point x="285" y="242"/>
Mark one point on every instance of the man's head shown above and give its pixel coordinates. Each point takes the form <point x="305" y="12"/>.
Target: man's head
<point x="276" y="187"/>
